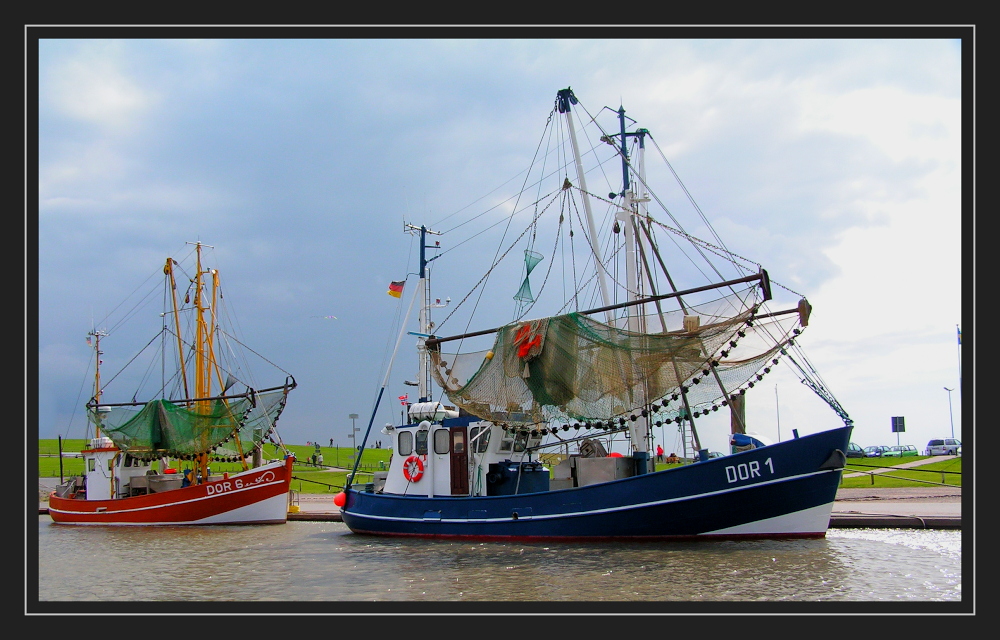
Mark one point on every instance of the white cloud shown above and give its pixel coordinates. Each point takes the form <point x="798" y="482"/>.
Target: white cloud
<point x="95" y="87"/>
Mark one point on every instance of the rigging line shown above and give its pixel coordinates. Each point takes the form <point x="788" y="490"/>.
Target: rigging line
<point x="612" y="253"/>
<point x="714" y="249"/>
<point x="593" y="148"/>
<point x="79" y="396"/>
<point x="511" y="179"/>
<point x="688" y="194"/>
<point x="141" y="303"/>
<point x="584" y="229"/>
<point x="694" y="240"/>
<point x="612" y="141"/>
<point x="548" y="272"/>
<point x="155" y="275"/>
<point x="397" y="316"/>
<point x="572" y="260"/>
<point x="495" y="224"/>
<point x="569" y="204"/>
<point x="556" y="171"/>
<point x="240" y="362"/>
<point x="563" y="164"/>
<point x="259" y="355"/>
<point x="820" y="390"/>
<point x="802" y="354"/>
<point x="490" y="270"/>
<point x="685" y="235"/>
<point x="112" y="379"/>
<point x="496" y="261"/>
<point x="527" y="175"/>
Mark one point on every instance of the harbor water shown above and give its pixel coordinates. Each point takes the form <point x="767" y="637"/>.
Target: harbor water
<point x="278" y="566"/>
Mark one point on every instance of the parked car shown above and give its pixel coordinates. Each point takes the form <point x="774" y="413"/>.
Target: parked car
<point x="944" y="447"/>
<point x="854" y="451"/>
<point x="901" y="450"/>
<point x="875" y="451"/>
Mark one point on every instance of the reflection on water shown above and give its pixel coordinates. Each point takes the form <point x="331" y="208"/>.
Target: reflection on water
<point x="324" y="562"/>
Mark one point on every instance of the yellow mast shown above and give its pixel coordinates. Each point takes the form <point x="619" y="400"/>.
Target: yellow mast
<point x="202" y="376"/>
<point x="214" y="364"/>
<point x="205" y="361"/>
<point x="168" y="269"/>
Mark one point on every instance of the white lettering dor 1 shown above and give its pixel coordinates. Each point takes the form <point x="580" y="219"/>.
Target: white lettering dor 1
<point x="747" y="470"/>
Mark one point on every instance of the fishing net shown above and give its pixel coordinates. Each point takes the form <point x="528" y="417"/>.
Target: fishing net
<point x="164" y="428"/>
<point x="575" y="368"/>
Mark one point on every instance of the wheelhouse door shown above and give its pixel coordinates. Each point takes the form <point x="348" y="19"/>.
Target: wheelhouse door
<point x="459" y="461"/>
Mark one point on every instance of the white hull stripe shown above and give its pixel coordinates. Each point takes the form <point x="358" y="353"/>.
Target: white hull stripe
<point x="570" y="514"/>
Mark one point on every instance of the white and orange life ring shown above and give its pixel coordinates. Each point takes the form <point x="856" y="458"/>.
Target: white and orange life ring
<point x="413" y="468"/>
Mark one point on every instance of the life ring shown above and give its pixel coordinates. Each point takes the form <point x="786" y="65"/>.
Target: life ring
<point x="413" y="469"/>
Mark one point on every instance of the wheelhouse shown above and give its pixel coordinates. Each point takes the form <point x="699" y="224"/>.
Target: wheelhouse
<point x="443" y="453"/>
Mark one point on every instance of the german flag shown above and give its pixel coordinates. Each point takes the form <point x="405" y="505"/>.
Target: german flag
<point x="396" y="288"/>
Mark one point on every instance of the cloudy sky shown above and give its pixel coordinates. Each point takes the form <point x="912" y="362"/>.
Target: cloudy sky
<point x="835" y="162"/>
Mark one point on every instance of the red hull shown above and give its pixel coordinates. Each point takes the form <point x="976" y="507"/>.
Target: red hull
<point x="257" y="496"/>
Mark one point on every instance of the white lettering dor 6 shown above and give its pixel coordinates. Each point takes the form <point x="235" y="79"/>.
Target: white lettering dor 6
<point x="747" y="470"/>
<point x="222" y="487"/>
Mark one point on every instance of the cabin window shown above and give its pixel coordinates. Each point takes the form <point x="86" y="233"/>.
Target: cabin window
<point x="521" y="441"/>
<point x="421" y="443"/>
<point x="479" y="438"/>
<point x="91" y="464"/>
<point x="458" y="440"/>
<point x="441" y="438"/>
<point x="405" y="443"/>
<point x="506" y="443"/>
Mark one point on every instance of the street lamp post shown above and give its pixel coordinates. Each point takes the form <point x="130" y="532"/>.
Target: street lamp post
<point x="950" y="413"/>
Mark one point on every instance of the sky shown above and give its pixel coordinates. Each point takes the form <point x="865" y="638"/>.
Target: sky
<point x="836" y="162"/>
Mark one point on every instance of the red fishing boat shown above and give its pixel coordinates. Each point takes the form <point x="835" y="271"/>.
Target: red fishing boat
<point x="255" y="496"/>
<point x="149" y="462"/>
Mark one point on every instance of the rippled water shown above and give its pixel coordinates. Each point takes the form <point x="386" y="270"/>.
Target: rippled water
<point x="323" y="562"/>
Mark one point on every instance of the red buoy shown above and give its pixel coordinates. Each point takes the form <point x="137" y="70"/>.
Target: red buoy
<point x="340" y="499"/>
<point x="614" y="454"/>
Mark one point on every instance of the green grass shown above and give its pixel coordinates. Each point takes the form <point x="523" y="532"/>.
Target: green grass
<point x="310" y="478"/>
<point x="947" y="472"/>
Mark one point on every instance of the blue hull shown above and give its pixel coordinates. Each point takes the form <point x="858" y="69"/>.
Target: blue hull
<point x="782" y="490"/>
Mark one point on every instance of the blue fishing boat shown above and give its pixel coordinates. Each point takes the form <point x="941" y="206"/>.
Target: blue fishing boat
<point x="513" y="435"/>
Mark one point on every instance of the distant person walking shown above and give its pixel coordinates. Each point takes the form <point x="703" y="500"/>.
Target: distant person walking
<point x="659" y="453"/>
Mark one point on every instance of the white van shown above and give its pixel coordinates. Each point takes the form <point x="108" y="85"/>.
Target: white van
<point x="944" y="447"/>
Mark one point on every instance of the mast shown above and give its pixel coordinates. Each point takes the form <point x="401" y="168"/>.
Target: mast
<point x="426" y="325"/>
<point x="630" y="209"/>
<point x="202" y="351"/>
<point x="168" y="269"/>
<point x="564" y="99"/>
<point x="424" y="315"/>
<point x="97" y="335"/>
